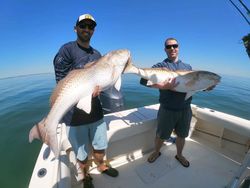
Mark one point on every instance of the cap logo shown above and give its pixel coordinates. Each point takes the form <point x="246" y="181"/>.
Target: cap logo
<point x="87" y="16"/>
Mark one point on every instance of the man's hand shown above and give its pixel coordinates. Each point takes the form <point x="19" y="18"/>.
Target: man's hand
<point x="96" y="91"/>
<point x="167" y="84"/>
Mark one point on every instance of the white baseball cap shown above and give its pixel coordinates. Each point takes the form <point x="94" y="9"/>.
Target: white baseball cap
<point x="85" y="17"/>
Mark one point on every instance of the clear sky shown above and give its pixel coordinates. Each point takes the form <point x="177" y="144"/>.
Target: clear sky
<point x="209" y="32"/>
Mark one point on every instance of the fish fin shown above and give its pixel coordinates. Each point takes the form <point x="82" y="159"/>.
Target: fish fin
<point x="85" y="104"/>
<point x="54" y="145"/>
<point x="189" y="94"/>
<point x="118" y="84"/>
<point x="65" y="143"/>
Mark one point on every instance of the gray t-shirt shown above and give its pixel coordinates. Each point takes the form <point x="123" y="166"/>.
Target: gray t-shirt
<point x="69" y="57"/>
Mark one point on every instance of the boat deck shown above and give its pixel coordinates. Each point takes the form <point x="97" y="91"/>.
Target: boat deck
<point x="207" y="169"/>
<point x="210" y="164"/>
<point x="213" y="155"/>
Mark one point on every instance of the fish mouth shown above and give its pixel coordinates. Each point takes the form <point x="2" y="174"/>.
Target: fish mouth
<point x="217" y="77"/>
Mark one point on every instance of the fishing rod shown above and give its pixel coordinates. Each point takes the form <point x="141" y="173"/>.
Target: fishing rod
<point x="240" y="10"/>
<point x="245" y="39"/>
<point x="235" y="181"/>
<point x="248" y="11"/>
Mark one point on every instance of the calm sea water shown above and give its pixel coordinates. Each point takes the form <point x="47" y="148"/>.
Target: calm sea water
<point x="24" y="101"/>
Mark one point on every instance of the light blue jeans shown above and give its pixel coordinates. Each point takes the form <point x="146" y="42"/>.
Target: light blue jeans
<point x="84" y="136"/>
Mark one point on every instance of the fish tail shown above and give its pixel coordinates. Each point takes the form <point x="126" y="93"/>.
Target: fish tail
<point x="37" y="131"/>
<point x="130" y="68"/>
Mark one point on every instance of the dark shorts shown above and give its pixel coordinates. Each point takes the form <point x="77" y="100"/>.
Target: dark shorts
<point x="169" y="120"/>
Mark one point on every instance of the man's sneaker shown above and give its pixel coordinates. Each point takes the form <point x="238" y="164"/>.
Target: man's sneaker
<point x="87" y="181"/>
<point x="111" y="172"/>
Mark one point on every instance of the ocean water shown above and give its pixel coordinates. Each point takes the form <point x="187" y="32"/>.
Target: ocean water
<point x="25" y="100"/>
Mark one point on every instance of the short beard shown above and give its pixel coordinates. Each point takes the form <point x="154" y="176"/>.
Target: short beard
<point x="83" y="39"/>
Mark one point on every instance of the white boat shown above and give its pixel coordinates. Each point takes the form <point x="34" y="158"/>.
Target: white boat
<point x="217" y="149"/>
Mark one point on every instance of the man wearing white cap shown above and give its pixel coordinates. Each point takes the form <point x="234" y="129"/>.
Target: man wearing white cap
<point x="84" y="129"/>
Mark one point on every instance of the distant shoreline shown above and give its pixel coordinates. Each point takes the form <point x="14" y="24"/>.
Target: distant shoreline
<point x="44" y="73"/>
<point x="24" y="75"/>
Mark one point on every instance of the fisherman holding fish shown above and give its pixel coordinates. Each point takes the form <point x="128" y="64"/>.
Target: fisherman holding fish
<point x="84" y="129"/>
<point x="175" y="109"/>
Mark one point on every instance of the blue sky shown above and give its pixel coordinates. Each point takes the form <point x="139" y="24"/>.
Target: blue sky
<point x="209" y="32"/>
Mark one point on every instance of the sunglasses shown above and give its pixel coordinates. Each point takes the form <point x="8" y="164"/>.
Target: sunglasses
<point x="172" y="45"/>
<point x="84" y="26"/>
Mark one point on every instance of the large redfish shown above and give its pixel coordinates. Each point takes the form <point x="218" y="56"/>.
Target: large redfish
<point x="189" y="82"/>
<point x="77" y="89"/>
